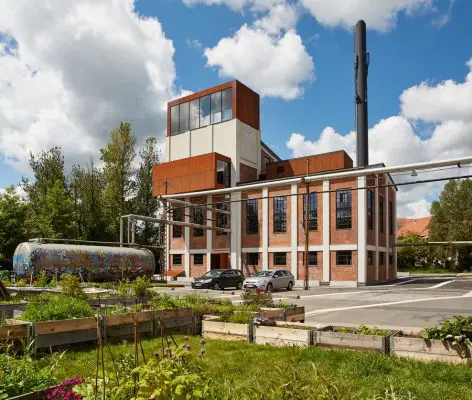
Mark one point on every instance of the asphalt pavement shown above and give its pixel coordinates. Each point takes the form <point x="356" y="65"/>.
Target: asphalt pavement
<point x="414" y="302"/>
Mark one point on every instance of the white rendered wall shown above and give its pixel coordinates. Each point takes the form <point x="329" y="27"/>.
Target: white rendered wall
<point x="179" y="146"/>
<point x="249" y="145"/>
<point x="201" y="141"/>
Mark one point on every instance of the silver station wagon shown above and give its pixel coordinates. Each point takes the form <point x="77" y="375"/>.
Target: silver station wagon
<point x="270" y="280"/>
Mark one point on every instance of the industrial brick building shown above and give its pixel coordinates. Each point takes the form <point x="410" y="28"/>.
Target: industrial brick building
<point x="219" y="174"/>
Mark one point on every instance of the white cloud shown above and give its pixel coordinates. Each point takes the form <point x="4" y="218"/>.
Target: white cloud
<point x="271" y="65"/>
<point x="280" y="17"/>
<point x="79" y="69"/>
<point x="378" y="14"/>
<point x="448" y="100"/>
<point x="395" y="141"/>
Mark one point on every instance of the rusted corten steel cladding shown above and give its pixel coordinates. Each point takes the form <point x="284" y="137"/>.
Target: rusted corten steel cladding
<point x="333" y="161"/>
<point x="187" y="174"/>
<point x="245" y="103"/>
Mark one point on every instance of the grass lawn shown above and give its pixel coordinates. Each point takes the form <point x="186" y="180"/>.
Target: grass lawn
<point x="247" y="371"/>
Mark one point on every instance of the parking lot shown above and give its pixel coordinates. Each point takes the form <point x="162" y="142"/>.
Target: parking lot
<point x="414" y="302"/>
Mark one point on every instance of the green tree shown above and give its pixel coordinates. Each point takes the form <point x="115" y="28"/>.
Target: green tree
<point x="87" y="186"/>
<point x="451" y="220"/>
<point x="13" y="228"/>
<point x="413" y="256"/>
<point x="144" y="202"/>
<point x="118" y="172"/>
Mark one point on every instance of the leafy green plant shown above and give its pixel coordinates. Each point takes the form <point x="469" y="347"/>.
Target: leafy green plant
<point x="21" y="375"/>
<point x="21" y="283"/>
<point x="41" y="280"/>
<point x="140" y="287"/>
<point x="458" y="331"/>
<point x="239" y="318"/>
<point x="58" y="308"/>
<point x="365" y="330"/>
<point x="71" y="286"/>
<point x="257" y="299"/>
<point x="124" y="289"/>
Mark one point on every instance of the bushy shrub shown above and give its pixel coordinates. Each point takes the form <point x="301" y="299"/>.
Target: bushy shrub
<point x="140" y="287"/>
<point x="456" y="330"/>
<point x="21" y="283"/>
<point x="41" y="280"/>
<point x="365" y="330"/>
<point x="257" y="299"/>
<point x="21" y="375"/>
<point x="71" y="286"/>
<point x="239" y="318"/>
<point x="57" y="308"/>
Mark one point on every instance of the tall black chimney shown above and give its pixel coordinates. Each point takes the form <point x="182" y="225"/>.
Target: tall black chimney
<point x="361" y="65"/>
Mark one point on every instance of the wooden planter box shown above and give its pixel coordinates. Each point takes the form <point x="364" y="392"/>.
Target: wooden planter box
<point x="8" y="308"/>
<point x="283" y="336"/>
<point x="329" y="337"/>
<point x="283" y="314"/>
<point x="213" y="329"/>
<point x="123" y="325"/>
<point x="56" y="333"/>
<point x="15" y="329"/>
<point x="430" y="350"/>
<point x="38" y="395"/>
<point x="179" y="320"/>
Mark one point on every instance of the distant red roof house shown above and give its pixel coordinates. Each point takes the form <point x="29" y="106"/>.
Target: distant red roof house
<point x="418" y="226"/>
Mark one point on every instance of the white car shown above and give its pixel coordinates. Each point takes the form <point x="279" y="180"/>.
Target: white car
<point x="270" y="280"/>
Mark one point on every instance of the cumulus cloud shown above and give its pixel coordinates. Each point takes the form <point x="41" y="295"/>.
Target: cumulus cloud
<point x="78" y="69"/>
<point x="236" y="5"/>
<point x="379" y="15"/>
<point x="395" y="140"/>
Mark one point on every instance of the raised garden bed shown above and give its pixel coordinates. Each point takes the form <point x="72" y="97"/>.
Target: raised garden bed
<point x="430" y="349"/>
<point x="301" y="336"/>
<point x="56" y="333"/>
<point x="365" y="339"/>
<point x="14" y="329"/>
<point x="213" y="328"/>
<point x="296" y="314"/>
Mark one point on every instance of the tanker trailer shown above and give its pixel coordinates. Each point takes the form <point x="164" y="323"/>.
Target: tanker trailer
<point x="98" y="263"/>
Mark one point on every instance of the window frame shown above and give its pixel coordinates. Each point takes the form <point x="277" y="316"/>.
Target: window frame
<point x="391" y="227"/>
<point x="312" y="214"/>
<point x="174" y="131"/>
<point x="277" y="261"/>
<point x="248" y="259"/>
<point x="199" y="256"/>
<point x="197" y="101"/>
<point x="226" y="173"/>
<point x="174" y="258"/>
<point x="370" y="257"/>
<point x="177" y="231"/>
<point x="313" y="257"/>
<point x="222" y="219"/>
<point x="370" y="209"/>
<point x="381" y="214"/>
<point x="252" y="226"/>
<point x="381" y="258"/>
<point x="341" y="209"/>
<point x="344" y="258"/>
<point x="223" y="108"/>
<point x="198" y="232"/>
<point x="279" y="220"/>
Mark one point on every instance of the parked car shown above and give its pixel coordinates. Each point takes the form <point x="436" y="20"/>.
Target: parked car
<point x="218" y="279"/>
<point x="270" y="280"/>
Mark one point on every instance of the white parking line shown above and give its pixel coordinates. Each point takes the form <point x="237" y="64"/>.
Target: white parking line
<point x="327" y="310"/>
<point x="440" y="284"/>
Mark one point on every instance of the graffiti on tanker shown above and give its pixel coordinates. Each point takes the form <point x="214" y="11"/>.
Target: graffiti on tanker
<point x="87" y="263"/>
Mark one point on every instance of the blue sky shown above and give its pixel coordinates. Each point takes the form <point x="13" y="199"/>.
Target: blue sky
<point x="104" y="61"/>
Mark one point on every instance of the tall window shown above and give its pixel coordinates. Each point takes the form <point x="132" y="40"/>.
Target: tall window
<point x="195" y="114"/>
<point x="252" y="258"/>
<point x="343" y="209"/>
<point x="370" y="205"/>
<point x="216" y="107"/>
<point x="381" y="214"/>
<point x="370" y="258"/>
<point x="227" y="103"/>
<point x="391" y="225"/>
<point x="390" y="259"/>
<point x="280" y="214"/>
<point x="205" y="107"/>
<point x="223" y="173"/>
<point x="280" y="258"/>
<point x="184" y="114"/>
<point x="198" y="219"/>
<point x="221" y="218"/>
<point x="177" y="229"/>
<point x="381" y="258"/>
<point x="312" y="211"/>
<point x="344" y="257"/>
<point x="252" y="220"/>
<point x="174" y="120"/>
<point x="312" y="258"/>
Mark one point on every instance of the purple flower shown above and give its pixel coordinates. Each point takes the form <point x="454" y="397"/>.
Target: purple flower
<point x="63" y="391"/>
<point x="202" y="342"/>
